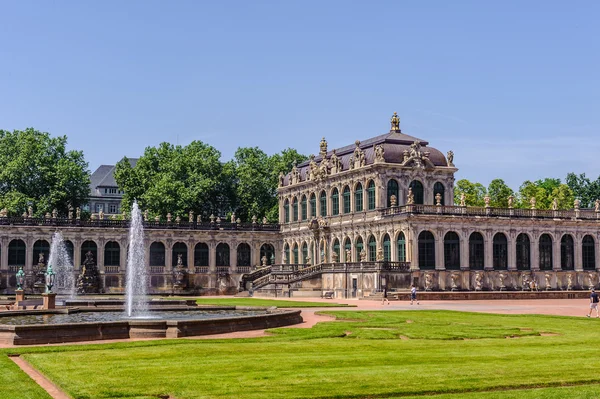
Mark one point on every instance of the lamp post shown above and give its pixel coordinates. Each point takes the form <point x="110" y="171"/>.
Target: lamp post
<point x="49" y="297"/>
<point x="50" y="276"/>
<point x="19" y="294"/>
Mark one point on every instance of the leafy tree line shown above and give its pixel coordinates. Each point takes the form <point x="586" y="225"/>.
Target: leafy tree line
<point x="544" y="190"/>
<point x="178" y="179"/>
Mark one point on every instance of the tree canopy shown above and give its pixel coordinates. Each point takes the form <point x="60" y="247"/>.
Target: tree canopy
<point x="37" y="170"/>
<point x="584" y="189"/>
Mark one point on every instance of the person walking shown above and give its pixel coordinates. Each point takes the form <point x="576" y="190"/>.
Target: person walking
<point x="593" y="303"/>
<point x="385" y="294"/>
<point x="413" y="294"/>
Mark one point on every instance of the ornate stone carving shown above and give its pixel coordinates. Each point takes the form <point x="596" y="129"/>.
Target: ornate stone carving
<point x="334" y="257"/>
<point x="591" y="279"/>
<point x="454" y="279"/>
<point x="295" y="174"/>
<point x="323" y="148"/>
<point x="281" y="179"/>
<point x="501" y="277"/>
<point x="395" y="122"/>
<point x="511" y="201"/>
<point x="393" y="200"/>
<point x="487" y="200"/>
<point x="379" y="154"/>
<point x="363" y="255"/>
<point x="405" y="156"/>
<point x="169" y="217"/>
<point x="569" y="282"/>
<point x="4" y="213"/>
<point x="359" y="155"/>
<point x="597" y="206"/>
<point x="410" y="197"/>
<point x="438" y="199"/>
<point x="348" y="255"/>
<point x="191" y="217"/>
<point x="450" y="157"/>
<point x="555" y="204"/>
<point x="428" y="281"/>
<point x="478" y="281"/>
<point x="336" y="164"/>
<point x="264" y="220"/>
<point x="577" y="204"/>
<point x="532" y="202"/>
<point x="380" y="256"/>
<point x="548" y="277"/>
<point x="232" y="217"/>
<point x="263" y="261"/>
<point x="463" y="199"/>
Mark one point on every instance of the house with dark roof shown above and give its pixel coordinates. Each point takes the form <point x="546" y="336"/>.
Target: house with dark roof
<point x="105" y="194"/>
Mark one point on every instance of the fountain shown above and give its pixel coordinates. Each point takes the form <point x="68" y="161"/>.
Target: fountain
<point x="136" y="303"/>
<point x="62" y="263"/>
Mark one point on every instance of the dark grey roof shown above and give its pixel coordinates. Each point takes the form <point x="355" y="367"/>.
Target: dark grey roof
<point x="104" y="176"/>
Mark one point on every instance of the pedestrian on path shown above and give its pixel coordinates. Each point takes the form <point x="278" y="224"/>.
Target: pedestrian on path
<point x="593" y="303"/>
<point x="385" y="294"/>
<point x="413" y="294"/>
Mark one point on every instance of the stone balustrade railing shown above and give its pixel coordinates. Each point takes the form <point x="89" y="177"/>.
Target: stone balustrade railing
<point x="583" y="214"/>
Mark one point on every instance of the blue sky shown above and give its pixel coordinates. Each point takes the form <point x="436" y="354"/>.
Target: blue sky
<point x="512" y="87"/>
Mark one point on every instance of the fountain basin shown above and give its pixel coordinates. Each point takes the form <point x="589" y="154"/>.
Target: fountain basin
<point x="197" y="322"/>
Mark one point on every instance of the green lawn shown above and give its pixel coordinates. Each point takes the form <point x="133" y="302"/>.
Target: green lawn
<point x="280" y="303"/>
<point x="391" y="354"/>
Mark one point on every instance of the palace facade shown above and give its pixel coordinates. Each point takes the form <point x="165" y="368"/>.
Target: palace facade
<point x="377" y="212"/>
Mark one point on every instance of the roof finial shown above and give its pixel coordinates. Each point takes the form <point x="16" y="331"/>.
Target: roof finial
<point x="395" y="123"/>
<point x="323" y="148"/>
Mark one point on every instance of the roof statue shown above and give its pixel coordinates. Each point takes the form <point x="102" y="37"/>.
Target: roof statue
<point x="395" y="121"/>
<point x="323" y="147"/>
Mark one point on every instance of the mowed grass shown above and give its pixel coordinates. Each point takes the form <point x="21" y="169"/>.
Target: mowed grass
<point x="280" y="303"/>
<point x="377" y="354"/>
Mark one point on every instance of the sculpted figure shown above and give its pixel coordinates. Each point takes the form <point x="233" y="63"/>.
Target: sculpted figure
<point x="313" y="168"/>
<point x="406" y="156"/>
<point x="264" y="221"/>
<point x="590" y="280"/>
<point x="395" y="121"/>
<point x="41" y="260"/>
<point x="335" y="257"/>
<point x="361" y="159"/>
<point x="379" y="153"/>
<point x="487" y="200"/>
<point x="555" y="204"/>
<point x="336" y="165"/>
<point x="478" y="281"/>
<point x="323" y="168"/>
<point x="502" y="276"/>
<point x="4" y="213"/>
<point x="438" y="199"/>
<point x="30" y="211"/>
<point x="454" y="277"/>
<point x="199" y="219"/>
<point x="569" y="282"/>
<point x="410" y="198"/>
<point x="548" y="276"/>
<point x="532" y="202"/>
<point x="450" y="157"/>
<point x="263" y="260"/>
<point x="351" y="162"/>
<point x="323" y="147"/>
<point x="348" y="255"/>
<point x="415" y="150"/>
<point x="511" y="201"/>
<point x="380" y="256"/>
<point x="281" y="179"/>
<point x="428" y="281"/>
<point x="393" y="200"/>
<point x="191" y="217"/>
<point x="363" y="255"/>
<point x="463" y="199"/>
<point x="233" y="217"/>
<point x="101" y="214"/>
<point x="576" y="204"/>
<point x="597" y="206"/>
<point x="179" y="259"/>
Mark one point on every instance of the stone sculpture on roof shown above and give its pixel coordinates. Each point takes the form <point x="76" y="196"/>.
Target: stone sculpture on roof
<point x="450" y="157"/>
<point x="379" y="153"/>
<point x="295" y="174"/>
<point x="395" y="121"/>
<point x="359" y="155"/>
<point x="323" y="148"/>
<point x="336" y="165"/>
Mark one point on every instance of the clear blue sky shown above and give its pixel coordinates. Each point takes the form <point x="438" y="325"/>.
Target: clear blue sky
<point x="512" y="87"/>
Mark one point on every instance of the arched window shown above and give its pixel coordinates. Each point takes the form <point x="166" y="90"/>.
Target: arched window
<point x="223" y="254"/>
<point x="313" y="205"/>
<point x="417" y="190"/>
<point x="244" y="254"/>
<point x="438" y="188"/>
<point x="286" y="254"/>
<point x="70" y="249"/>
<point x="392" y="189"/>
<point x="346" y="199"/>
<point x="336" y="248"/>
<point x="41" y="247"/>
<point x="476" y="252"/>
<point x="567" y="254"/>
<point x="426" y="251"/>
<point x="295" y="257"/>
<point x="545" y="252"/>
<point x="372" y="253"/>
<point x="89" y="246"/>
<point x="303" y="209"/>
<point x="112" y="254"/>
<point x="371" y="195"/>
<point x="201" y="254"/>
<point x="588" y="253"/>
<point x="401" y="243"/>
<point x="304" y="252"/>
<point x="451" y="251"/>
<point x="179" y="248"/>
<point x="16" y="253"/>
<point x="267" y="252"/>
<point x="358" y="198"/>
<point x="335" y="202"/>
<point x="286" y="211"/>
<point x="348" y="247"/>
<point x="523" y="252"/>
<point x="157" y="254"/>
<point x="387" y="248"/>
<point x="323" y="201"/>
<point x="358" y="248"/>
<point x="295" y="209"/>
<point x="500" y="252"/>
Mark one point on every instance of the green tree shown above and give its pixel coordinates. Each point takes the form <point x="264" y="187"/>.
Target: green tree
<point x="584" y="189"/>
<point x="499" y="193"/>
<point x="545" y="191"/>
<point x="37" y="170"/>
<point x="282" y="163"/>
<point x="474" y="193"/>
<point x="177" y="179"/>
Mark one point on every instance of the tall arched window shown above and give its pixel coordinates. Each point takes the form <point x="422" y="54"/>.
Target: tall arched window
<point x="500" y="252"/>
<point x="438" y="188"/>
<point x="267" y="252"/>
<point x="335" y="202"/>
<point x="451" y="251"/>
<point x="336" y="248"/>
<point x="313" y="205"/>
<point x="303" y="210"/>
<point x="295" y="209"/>
<point x="286" y="211"/>
<point x="305" y="253"/>
<point x="112" y="254"/>
<point x="476" y="251"/>
<point x="201" y="254"/>
<point x="223" y="254"/>
<point x="387" y="248"/>
<point x="588" y="253"/>
<point x="392" y="189"/>
<point x="372" y="253"/>
<point x="417" y="190"/>
<point x="89" y="246"/>
<point x="41" y="247"/>
<point x="157" y="254"/>
<point x="358" y="198"/>
<point x="371" y="195"/>
<point x="567" y="253"/>
<point x="426" y="251"/>
<point x="346" y="199"/>
<point x="523" y="252"/>
<point x="179" y="251"/>
<point x="16" y="253"/>
<point x="545" y="248"/>
<point x="286" y="254"/>
<point x="347" y="247"/>
<point x="295" y="254"/>
<point x="358" y="248"/>
<point x="244" y="255"/>
<point x="401" y="243"/>
<point x="70" y="249"/>
<point x="323" y="201"/>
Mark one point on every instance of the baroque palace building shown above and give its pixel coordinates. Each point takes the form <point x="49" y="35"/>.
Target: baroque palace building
<point x="378" y="212"/>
